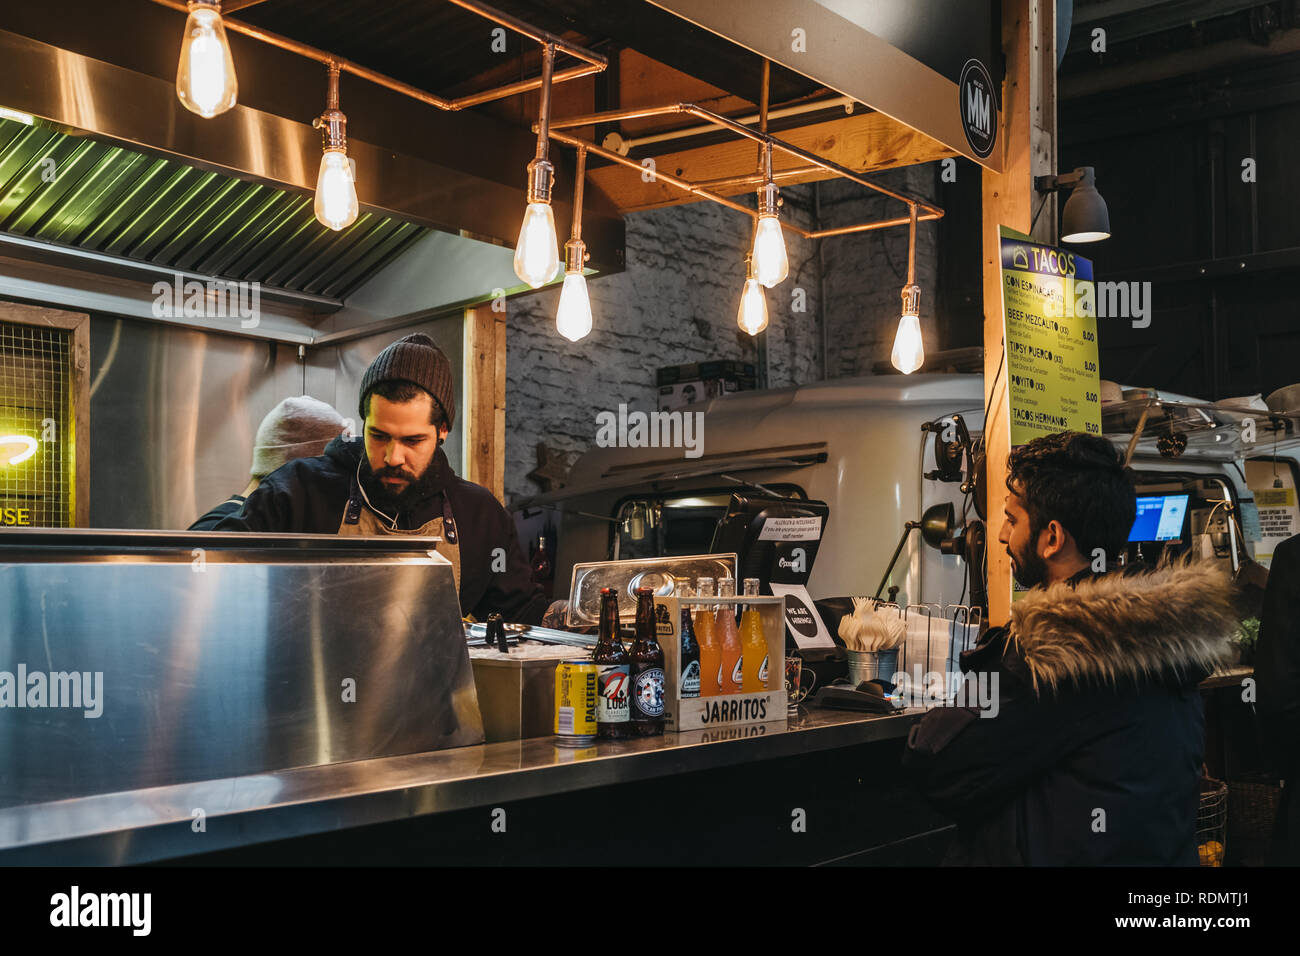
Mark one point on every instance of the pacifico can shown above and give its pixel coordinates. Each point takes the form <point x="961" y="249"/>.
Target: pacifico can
<point x="575" y="703"/>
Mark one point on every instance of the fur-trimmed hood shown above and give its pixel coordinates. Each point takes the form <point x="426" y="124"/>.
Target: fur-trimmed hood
<point x="1117" y="628"/>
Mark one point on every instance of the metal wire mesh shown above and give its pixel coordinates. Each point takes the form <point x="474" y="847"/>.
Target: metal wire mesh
<point x="36" y="486"/>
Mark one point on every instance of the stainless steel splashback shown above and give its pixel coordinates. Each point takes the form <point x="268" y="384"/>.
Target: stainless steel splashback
<point x="201" y="656"/>
<point x="173" y="412"/>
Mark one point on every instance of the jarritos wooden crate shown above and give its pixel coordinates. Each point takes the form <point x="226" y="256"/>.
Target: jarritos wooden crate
<point x="703" y="713"/>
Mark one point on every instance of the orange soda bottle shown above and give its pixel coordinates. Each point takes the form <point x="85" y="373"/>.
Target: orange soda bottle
<point x="753" y="644"/>
<point x="706" y="636"/>
<point x="724" y="627"/>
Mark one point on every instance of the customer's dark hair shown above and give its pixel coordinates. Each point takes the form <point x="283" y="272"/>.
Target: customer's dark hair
<point x="1079" y="480"/>
<point x="401" y="391"/>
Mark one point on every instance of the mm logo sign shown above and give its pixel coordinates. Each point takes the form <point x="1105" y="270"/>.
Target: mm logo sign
<point x="979" y="107"/>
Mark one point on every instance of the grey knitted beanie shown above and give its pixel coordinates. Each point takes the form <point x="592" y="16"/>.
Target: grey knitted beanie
<point x="415" y="358"/>
<point x="296" y="428"/>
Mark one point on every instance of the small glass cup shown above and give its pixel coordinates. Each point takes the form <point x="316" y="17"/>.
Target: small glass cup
<point x="795" y="692"/>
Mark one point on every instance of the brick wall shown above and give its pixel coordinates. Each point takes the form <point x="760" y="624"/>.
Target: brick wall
<point x="676" y="302"/>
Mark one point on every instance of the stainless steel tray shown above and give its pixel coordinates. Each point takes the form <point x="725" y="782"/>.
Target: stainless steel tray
<point x="626" y="576"/>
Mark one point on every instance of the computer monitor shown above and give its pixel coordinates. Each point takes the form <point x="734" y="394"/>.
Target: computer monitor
<point x="1159" y="518"/>
<point x="775" y="539"/>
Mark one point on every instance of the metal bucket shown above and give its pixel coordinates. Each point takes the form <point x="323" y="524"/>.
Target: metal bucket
<point x="869" y="665"/>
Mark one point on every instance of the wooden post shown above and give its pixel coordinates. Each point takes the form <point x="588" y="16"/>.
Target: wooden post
<point x="485" y="398"/>
<point x="1028" y="142"/>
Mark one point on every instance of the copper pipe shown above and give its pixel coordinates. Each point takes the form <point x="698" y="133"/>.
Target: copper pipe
<point x="633" y="164"/>
<point x="595" y="60"/>
<point x="756" y="179"/>
<point x="519" y="26"/>
<point x="591" y="119"/>
<point x="580" y="174"/>
<point x="522" y="86"/>
<point x="698" y="189"/>
<point x="544" y="104"/>
<point x="865" y="227"/>
<point x="911" y="247"/>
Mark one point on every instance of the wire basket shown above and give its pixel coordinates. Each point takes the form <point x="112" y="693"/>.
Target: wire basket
<point x="1212" y="821"/>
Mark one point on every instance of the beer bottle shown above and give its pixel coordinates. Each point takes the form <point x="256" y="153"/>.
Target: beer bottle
<point x="647" y="670"/>
<point x="689" y="665"/>
<point x="613" y="673"/>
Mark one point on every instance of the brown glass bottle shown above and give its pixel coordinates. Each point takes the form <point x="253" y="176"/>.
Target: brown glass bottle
<point x="647" y="670"/>
<point x="613" y="714"/>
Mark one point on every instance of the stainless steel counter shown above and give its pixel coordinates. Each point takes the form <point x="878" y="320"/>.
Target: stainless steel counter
<point x="160" y="823"/>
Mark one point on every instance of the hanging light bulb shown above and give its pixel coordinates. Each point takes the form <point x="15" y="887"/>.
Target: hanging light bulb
<point x="205" y="75"/>
<point x="336" y="188"/>
<point x="537" y="254"/>
<point x="752" y="314"/>
<point x="909" y="350"/>
<point x="771" y="265"/>
<point x="573" y="319"/>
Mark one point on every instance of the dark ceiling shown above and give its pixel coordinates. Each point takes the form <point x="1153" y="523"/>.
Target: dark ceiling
<point x="436" y="45"/>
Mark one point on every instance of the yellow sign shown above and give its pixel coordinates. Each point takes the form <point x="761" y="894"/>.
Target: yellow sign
<point x="1050" y="324"/>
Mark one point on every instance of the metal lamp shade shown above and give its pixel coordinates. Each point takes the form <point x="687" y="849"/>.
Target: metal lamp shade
<point x="1085" y="217"/>
<point x="937" y="523"/>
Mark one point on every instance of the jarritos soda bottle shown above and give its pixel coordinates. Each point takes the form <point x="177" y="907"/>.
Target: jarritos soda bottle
<point x="647" y="670"/>
<point x="753" y="644"/>
<point x="710" y="650"/>
<point x="613" y="667"/>
<point x="730" y="675"/>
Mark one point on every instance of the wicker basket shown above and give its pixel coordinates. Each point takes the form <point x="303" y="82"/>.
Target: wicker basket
<point x="1212" y="821"/>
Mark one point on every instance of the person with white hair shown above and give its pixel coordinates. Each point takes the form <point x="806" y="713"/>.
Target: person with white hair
<point x="298" y="427"/>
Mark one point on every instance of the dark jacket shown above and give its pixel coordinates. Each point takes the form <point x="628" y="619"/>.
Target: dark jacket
<point x="1094" y="754"/>
<point x="227" y="508"/>
<point x="1277" y="688"/>
<point x="310" y="496"/>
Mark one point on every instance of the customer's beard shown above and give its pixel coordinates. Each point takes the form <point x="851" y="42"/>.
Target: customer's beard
<point x="399" y="502"/>
<point x="1029" y="569"/>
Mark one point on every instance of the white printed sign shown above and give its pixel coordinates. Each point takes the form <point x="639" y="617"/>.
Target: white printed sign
<point x="791" y="529"/>
<point x="801" y="616"/>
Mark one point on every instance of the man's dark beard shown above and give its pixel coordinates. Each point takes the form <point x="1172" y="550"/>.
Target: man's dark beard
<point x="1029" y="569"/>
<point x="399" y="502"/>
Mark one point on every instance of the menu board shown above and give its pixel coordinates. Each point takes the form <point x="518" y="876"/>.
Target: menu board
<point x="1050" y="323"/>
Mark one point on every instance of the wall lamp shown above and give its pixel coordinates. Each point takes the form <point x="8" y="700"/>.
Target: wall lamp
<point x="1084" y="218"/>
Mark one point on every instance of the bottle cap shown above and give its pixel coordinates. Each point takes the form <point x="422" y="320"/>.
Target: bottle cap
<point x="751" y="587"/>
<point x="704" y="587"/>
<point x="682" y="588"/>
<point x="726" y="587"/>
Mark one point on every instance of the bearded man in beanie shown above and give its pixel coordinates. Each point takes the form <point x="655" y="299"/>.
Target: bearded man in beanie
<point x="396" y="479"/>
<point x="1091" y="752"/>
<point x="296" y="428"/>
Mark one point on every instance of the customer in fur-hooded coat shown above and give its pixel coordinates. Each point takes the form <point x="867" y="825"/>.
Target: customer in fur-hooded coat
<point x="1092" y="752"/>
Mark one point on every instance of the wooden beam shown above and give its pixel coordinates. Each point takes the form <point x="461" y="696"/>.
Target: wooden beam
<point x="485" y="398"/>
<point x="1028" y="141"/>
<point x="863" y="142"/>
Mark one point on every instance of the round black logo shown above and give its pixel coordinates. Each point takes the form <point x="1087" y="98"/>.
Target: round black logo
<point x="799" y="617"/>
<point x="979" y="107"/>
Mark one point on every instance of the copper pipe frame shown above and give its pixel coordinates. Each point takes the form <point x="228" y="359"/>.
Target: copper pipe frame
<point x="696" y="189"/>
<point x="593" y="62"/>
<point x="610" y="116"/>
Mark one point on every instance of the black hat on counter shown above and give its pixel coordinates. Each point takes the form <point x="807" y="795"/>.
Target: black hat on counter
<point x="415" y="358"/>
